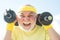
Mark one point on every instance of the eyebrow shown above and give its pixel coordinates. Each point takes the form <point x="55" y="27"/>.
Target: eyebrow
<point x="32" y="13"/>
<point x="29" y="13"/>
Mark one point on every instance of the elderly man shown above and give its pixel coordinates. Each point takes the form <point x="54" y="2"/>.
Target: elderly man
<point x="27" y="29"/>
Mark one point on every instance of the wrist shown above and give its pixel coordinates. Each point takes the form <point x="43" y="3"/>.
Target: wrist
<point x="46" y="27"/>
<point x="9" y="26"/>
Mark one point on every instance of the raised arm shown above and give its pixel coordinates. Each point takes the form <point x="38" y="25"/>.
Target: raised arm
<point x="52" y="33"/>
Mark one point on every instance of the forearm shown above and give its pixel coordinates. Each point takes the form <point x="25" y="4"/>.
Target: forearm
<point x="8" y="35"/>
<point x="53" y="34"/>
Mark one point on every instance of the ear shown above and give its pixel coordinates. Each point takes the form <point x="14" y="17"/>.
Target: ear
<point x="16" y="21"/>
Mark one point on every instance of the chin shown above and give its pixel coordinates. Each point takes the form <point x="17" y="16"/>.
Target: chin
<point x="26" y="29"/>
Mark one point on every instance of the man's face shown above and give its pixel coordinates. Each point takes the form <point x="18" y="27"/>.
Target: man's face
<point x="26" y="20"/>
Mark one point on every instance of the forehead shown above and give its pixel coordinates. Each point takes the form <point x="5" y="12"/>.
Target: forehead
<point x="27" y="12"/>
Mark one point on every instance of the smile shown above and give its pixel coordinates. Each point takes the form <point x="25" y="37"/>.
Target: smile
<point x="26" y="23"/>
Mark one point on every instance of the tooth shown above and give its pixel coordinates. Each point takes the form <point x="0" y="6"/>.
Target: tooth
<point x="26" y="22"/>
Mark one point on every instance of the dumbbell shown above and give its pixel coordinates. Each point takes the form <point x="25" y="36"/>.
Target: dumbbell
<point x="10" y="16"/>
<point x="45" y="18"/>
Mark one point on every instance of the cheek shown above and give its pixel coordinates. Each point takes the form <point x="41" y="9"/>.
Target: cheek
<point x="20" y="21"/>
<point x="32" y="20"/>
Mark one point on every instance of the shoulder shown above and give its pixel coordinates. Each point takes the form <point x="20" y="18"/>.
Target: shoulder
<point x="40" y="28"/>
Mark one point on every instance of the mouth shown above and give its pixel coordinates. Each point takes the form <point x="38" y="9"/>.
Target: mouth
<point x="26" y="23"/>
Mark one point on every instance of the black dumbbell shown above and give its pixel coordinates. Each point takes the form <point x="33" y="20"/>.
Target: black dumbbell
<point x="10" y="16"/>
<point x="45" y="18"/>
<point x="38" y="20"/>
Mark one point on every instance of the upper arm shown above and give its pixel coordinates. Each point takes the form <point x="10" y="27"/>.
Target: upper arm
<point x="8" y="35"/>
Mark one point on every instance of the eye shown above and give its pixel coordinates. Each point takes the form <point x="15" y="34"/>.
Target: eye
<point x="22" y="16"/>
<point x="30" y="16"/>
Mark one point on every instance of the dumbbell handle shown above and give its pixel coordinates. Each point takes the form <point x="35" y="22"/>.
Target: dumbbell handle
<point x="48" y="18"/>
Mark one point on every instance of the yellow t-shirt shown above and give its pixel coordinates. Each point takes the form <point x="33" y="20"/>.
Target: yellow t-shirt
<point x="38" y="33"/>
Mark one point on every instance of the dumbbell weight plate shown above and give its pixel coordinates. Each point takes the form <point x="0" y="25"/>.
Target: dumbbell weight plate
<point x="10" y="16"/>
<point x="46" y="18"/>
<point x="38" y="20"/>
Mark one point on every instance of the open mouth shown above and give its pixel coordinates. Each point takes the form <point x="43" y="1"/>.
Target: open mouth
<point x="26" y="24"/>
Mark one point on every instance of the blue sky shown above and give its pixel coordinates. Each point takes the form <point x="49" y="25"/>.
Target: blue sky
<point x="51" y="6"/>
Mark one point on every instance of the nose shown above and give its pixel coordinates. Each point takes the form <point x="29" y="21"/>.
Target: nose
<point x="26" y="19"/>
